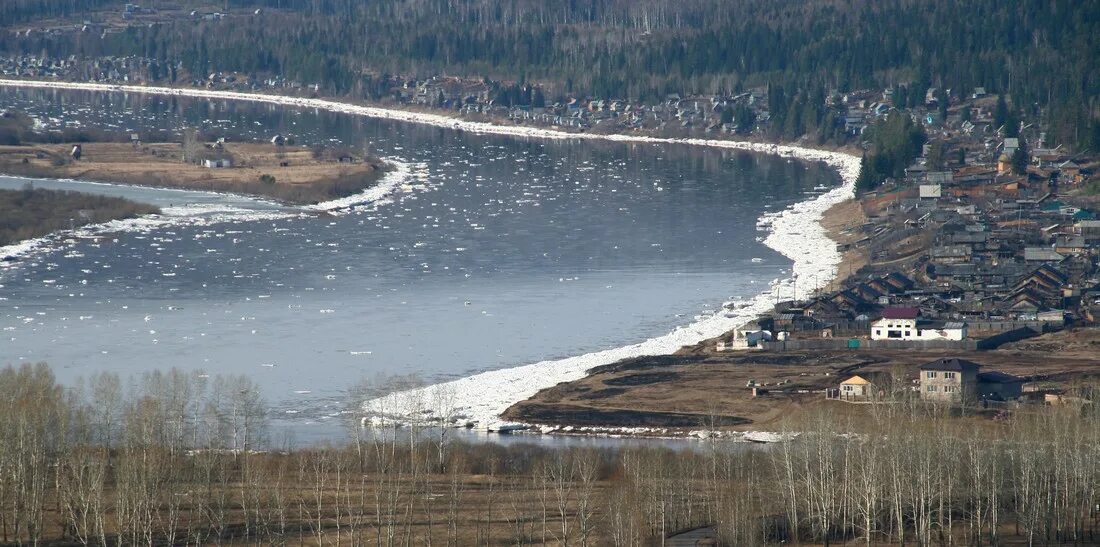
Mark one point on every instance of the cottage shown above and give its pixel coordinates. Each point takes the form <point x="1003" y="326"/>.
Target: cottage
<point x="744" y="339"/>
<point x="930" y="191"/>
<point x="1088" y="228"/>
<point x="855" y="388"/>
<point x="951" y="254"/>
<point x="1042" y="254"/>
<point x="1070" y="245"/>
<point x="217" y="163"/>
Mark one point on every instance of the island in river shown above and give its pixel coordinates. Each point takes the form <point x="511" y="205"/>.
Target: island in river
<point x="291" y="174"/>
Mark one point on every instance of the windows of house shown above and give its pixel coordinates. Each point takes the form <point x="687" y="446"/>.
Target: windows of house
<point x="950" y="375"/>
<point x="930" y="374"/>
<point x="932" y="389"/>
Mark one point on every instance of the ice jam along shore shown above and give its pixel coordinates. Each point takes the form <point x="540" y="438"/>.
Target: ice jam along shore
<point x="795" y="233"/>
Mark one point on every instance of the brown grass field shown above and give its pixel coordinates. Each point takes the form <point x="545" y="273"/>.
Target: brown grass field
<point x="698" y="386"/>
<point x="303" y="179"/>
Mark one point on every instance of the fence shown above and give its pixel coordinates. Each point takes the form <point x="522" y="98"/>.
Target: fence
<point x="845" y="343"/>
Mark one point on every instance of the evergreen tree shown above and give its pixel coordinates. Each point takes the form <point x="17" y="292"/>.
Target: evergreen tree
<point x="865" y="182"/>
<point x="1000" y="112"/>
<point x="1020" y="158"/>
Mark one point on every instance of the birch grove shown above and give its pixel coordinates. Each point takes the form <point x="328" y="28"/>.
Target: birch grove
<point x="170" y="459"/>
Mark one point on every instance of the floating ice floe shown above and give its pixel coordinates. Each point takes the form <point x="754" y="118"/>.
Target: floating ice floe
<point x="794" y="232"/>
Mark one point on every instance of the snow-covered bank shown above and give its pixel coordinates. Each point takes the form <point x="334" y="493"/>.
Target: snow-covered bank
<point x="481" y="398"/>
<point x="795" y="232"/>
<point x="837" y="159"/>
<point x="389" y="184"/>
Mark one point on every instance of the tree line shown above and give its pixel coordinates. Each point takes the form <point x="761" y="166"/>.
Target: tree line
<point x="1041" y="53"/>
<point x="174" y="458"/>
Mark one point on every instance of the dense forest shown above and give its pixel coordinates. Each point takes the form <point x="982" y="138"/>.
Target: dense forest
<point x="180" y="458"/>
<point x="16" y="11"/>
<point x="1041" y="53"/>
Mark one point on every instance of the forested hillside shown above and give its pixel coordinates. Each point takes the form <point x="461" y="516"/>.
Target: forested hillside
<point x="1042" y="53"/>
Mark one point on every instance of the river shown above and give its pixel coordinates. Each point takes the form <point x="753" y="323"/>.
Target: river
<point x="501" y="251"/>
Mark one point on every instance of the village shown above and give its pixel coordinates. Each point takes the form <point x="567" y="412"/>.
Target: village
<point x="991" y="237"/>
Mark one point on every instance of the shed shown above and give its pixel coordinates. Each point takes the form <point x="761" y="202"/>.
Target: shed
<point x="999" y="386"/>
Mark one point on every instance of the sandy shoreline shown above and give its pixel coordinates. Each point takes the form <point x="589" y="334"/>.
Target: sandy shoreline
<point x="796" y="232"/>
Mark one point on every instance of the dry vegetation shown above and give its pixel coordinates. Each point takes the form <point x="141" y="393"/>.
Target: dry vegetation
<point x="294" y="174"/>
<point x="176" y="460"/>
<point x="30" y="213"/>
<point x="841" y="223"/>
<point x="698" y="386"/>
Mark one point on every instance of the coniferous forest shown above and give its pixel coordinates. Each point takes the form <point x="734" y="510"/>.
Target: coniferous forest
<point x="1041" y="53"/>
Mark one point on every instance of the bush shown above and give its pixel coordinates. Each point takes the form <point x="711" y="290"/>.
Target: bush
<point x="31" y="212"/>
<point x="267" y="179"/>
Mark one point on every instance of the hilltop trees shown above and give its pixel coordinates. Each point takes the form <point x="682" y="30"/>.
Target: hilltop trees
<point x="895" y="142"/>
<point x="1038" y="52"/>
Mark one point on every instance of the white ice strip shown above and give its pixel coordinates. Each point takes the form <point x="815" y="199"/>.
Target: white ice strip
<point x="795" y="232"/>
<point x="389" y="184"/>
<point x="426" y="118"/>
<point x="206" y="214"/>
<point x="191" y="215"/>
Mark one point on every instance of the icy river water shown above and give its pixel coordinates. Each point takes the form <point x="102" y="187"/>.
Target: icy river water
<point x="499" y="251"/>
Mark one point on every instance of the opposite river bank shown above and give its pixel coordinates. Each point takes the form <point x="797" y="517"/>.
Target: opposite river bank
<point x="794" y="232"/>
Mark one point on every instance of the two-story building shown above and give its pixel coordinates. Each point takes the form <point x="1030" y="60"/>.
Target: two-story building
<point x="949" y="380"/>
<point x="958" y="380"/>
<point x="905" y="324"/>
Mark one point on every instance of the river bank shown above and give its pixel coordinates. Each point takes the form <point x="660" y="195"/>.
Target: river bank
<point x="484" y="400"/>
<point x="479" y="399"/>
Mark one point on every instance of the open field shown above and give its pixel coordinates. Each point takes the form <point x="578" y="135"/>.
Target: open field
<point x="292" y="174"/>
<point x="698" y="387"/>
